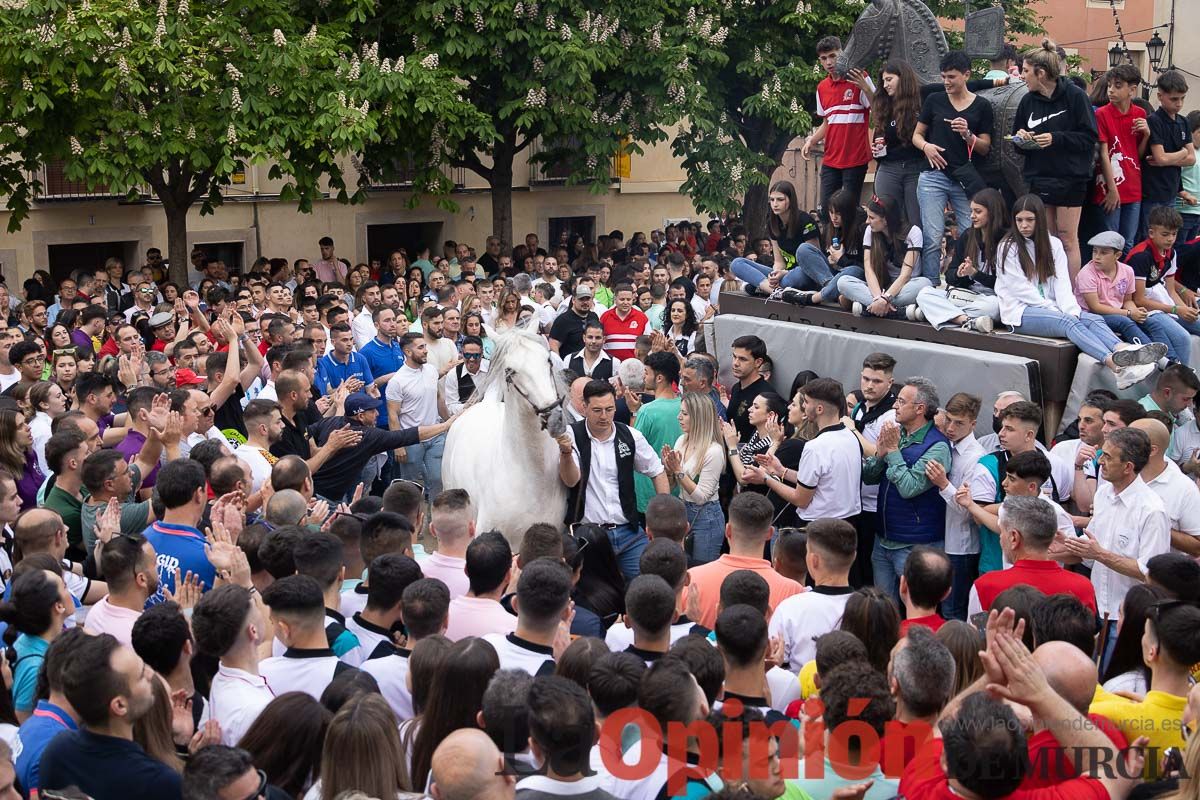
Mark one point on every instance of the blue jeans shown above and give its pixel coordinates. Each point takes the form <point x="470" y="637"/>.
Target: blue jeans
<point x="1191" y="227"/>
<point x="1088" y="332"/>
<point x="898" y="180"/>
<point x="1110" y="644"/>
<point x="810" y="273"/>
<point x="708" y="530"/>
<point x="966" y="570"/>
<point x="855" y="289"/>
<point x="887" y="565"/>
<point x="628" y="542"/>
<point x="424" y="464"/>
<point x="1156" y="328"/>
<point x="934" y="189"/>
<point x="1124" y="220"/>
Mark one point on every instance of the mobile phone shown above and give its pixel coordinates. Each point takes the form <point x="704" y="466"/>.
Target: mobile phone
<point x="1172" y="761"/>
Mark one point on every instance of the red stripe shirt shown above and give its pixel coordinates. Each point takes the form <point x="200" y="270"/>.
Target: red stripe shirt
<point x="620" y="335"/>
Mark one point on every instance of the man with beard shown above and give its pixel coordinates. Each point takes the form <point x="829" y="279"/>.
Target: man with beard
<point x="129" y="570"/>
<point x="264" y="427"/>
<point x="295" y="397"/>
<point x="414" y="398"/>
<point x="110" y="688"/>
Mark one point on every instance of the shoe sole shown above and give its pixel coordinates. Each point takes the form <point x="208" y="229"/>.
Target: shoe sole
<point x="1146" y="354"/>
<point x="1133" y="381"/>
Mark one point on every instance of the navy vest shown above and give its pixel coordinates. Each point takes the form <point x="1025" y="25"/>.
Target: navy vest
<point x="913" y="520"/>
<point x="625" y="446"/>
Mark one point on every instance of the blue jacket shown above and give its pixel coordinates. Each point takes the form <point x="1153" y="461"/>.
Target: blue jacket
<point x="915" y="520"/>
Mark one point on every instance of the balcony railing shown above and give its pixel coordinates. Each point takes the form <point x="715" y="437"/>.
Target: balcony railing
<point x="55" y="185"/>
<point x="400" y="175"/>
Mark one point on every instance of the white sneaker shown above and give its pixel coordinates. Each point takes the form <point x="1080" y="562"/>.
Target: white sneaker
<point x="1128" y="355"/>
<point x="857" y="309"/>
<point x="981" y="324"/>
<point x="1129" y="376"/>
<point x="914" y="313"/>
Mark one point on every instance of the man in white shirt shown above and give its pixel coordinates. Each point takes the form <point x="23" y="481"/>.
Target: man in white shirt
<point x="452" y="524"/>
<point x="832" y="546"/>
<point x="1178" y="492"/>
<point x="962" y="540"/>
<point x="377" y="625"/>
<point x="550" y="276"/>
<point x="1129" y="526"/>
<point x="461" y="380"/>
<point x="1081" y="453"/>
<point x="424" y="605"/>
<point x="414" y="397"/>
<point x="543" y="606"/>
<point x="370" y="297"/>
<point x="593" y="361"/>
<point x="597" y="460"/>
<point x="831" y="461"/>
<point x="228" y="624"/>
<point x="264" y="427"/>
<point x="298" y="616"/>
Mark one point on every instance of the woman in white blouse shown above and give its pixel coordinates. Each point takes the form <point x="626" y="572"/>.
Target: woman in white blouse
<point x="1036" y="297"/>
<point x="48" y="403"/>
<point x="695" y="465"/>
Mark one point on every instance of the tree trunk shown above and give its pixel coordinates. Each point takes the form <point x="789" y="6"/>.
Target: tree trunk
<point x="502" y="191"/>
<point x="177" y="247"/>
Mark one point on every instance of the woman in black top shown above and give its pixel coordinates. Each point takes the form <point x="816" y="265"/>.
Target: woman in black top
<point x="794" y="238"/>
<point x="843" y="251"/>
<point x="972" y="269"/>
<point x="894" y="116"/>
<point x="1056" y="129"/>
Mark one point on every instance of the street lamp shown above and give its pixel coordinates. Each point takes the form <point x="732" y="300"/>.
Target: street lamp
<point x="1154" y="50"/>
<point x="1115" y="55"/>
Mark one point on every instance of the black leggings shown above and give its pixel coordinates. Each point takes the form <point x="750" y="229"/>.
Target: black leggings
<point x="833" y="178"/>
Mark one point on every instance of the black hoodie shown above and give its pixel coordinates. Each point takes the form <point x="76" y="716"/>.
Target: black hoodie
<point x="1067" y="114"/>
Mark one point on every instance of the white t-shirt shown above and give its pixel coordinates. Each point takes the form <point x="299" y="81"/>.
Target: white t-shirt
<point x="391" y="672"/>
<point x="416" y="390"/>
<point x="260" y="468"/>
<point x="517" y="653"/>
<point x="802" y="617"/>
<point x="829" y="463"/>
<point x="602" y="500"/>
<point x="1180" y="497"/>
<point x="308" y="671"/>
<point x="235" y="700"/>
<point x="39" y="429"/>
<point x="8" y="380"/>
<point x="913" y="241"/>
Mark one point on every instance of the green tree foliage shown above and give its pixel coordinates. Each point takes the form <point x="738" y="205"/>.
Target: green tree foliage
<point x="588" y="78"/>
<point x="178" y="96"/>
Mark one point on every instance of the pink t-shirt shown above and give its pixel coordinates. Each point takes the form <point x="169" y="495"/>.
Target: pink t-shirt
<point x="1111" y="292"/>
<point x="104" y="617"/>
<point x="478" y="616"/>
<point x="450" y="571"/>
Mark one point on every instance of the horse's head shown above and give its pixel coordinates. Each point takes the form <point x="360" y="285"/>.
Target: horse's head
<point x="524" y="361"/>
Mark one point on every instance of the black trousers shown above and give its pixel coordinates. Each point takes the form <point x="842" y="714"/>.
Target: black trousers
<point x="865" y="524"/>
<point x="834" y="178"/>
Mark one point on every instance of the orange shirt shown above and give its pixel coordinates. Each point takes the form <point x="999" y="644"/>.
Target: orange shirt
<point x="707" y="578"/>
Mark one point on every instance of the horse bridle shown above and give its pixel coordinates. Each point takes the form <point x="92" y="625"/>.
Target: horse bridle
<point x="543" y="412"/>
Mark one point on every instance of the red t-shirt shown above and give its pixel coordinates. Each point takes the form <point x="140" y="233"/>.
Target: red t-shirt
<point x="1116" y="130"/>
<point x="1048" y="576"/>
<point x="1048" y="764"/>
<point x="109" y="348"/>
<point x="620" y="335"/>
<point x="933" y="622"/>
<point x="924" y="779"/>
<point x="847" y="113"/>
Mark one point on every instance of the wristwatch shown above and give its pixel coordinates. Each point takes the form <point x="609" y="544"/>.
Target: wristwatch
<point x="733" y="451"/>
<point x="679" y="475"/>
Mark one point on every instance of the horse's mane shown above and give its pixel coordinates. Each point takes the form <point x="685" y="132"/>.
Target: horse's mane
<point x="505" y="343"/>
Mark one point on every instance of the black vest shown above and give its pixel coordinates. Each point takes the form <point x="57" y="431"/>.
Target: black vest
<point x="601" y="372"/>
<point x="624" y="444"/>
<point x="466" y="383"/>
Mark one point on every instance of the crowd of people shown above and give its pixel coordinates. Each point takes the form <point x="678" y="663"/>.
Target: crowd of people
<point x="231" y="570"/>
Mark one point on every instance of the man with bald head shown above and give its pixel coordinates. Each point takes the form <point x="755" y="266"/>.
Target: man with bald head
<point x="1179" y="494"/>
<point x="467" y="765"/>
<point x="292" y="472"/>
<point x="287" y="507"/>
<point x="575" y="407"/>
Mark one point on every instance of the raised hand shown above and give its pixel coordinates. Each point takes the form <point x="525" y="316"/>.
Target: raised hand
<point x="108" y="521"/>
<point x="183" y="726"/>
<point x="159" y="414"/>
<point x="774" y="427"/>
<point x="729" y="432"/>
<point x="770" y="462"/>
<point x="208" y="734"/>
<point x="318" y="513"/>
<point x="187" y="590"/>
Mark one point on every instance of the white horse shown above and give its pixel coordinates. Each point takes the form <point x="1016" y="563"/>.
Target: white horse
<point x="502" y="449"/>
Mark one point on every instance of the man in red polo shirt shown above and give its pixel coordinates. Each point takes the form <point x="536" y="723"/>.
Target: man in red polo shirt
<point x="623" y="324"/>
<point x="924" y="585"/>
<point x="844" y="105"/>
<point x="1028" y="527"/>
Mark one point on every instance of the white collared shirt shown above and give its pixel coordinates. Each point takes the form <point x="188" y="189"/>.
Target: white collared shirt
<point x="547" y="785"/>
<point x="454" y="403"/>
<point x="391" y="673"/>
<point x="363" y="328"/>
<point x="517" y="653"/>
<point x="308" y="671"/>
<point x="235" y="700"/>
<point x="369" y="635"/>
<point x="602" y="500"/>
<point x="831" y="461"/>
<point x="802" y="617"/>
<point x="1180" y="498"/>
<point x="870" y="491"/>
<point x="1133" y="524"/>
<point x="961" y="536"/>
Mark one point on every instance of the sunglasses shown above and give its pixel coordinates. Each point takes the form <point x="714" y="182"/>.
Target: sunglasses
<point x="145" y="291"/>
<point x="472" y="356"/>
<point x="420" y="486"/>
<point x="261" y="791"/>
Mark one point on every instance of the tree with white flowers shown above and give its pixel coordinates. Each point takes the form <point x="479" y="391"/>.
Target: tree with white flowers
<point x="181" y="95"/>
<point x="588" y="78"/>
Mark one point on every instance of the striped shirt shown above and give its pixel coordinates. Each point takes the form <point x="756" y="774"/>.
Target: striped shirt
<point x="620" y="335"/>
<point x="847" y="113"/>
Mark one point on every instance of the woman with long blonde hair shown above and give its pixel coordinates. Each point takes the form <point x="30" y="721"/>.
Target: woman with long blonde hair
<point x="508" y="310"/>
<point x="695" y="465"/>
<point x="362" y="751"/>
